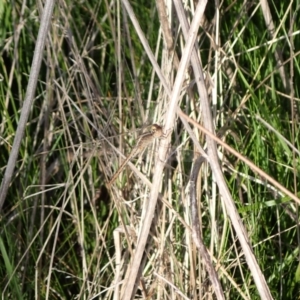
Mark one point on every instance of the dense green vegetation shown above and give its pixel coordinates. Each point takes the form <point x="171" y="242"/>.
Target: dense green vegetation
<point x="60" y="224"/>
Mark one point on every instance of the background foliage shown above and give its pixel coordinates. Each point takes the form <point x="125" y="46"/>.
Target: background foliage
<point x="59" y="222"/>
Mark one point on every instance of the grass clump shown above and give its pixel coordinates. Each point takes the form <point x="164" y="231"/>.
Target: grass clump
<point x="65" y="234"/>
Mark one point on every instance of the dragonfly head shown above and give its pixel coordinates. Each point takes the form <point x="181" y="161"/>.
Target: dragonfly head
<point x="156" y="130"/>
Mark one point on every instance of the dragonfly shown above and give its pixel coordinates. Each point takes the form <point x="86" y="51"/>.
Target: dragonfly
<point x="142" y="143"/>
